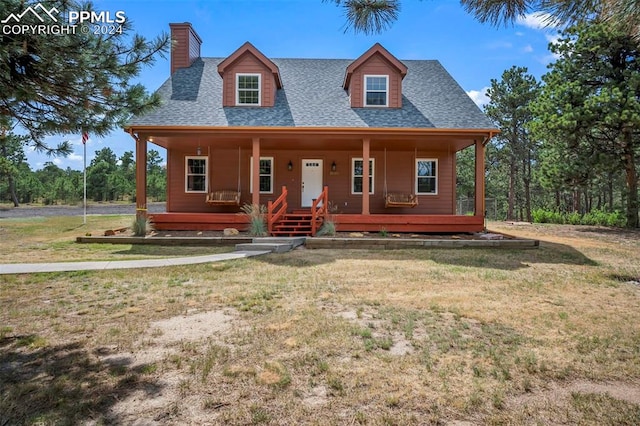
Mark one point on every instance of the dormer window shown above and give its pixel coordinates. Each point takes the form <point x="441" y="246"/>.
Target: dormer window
<point x="376" y="91"/>
<point x="374" y="80"/>
<point x="248" y="89"/>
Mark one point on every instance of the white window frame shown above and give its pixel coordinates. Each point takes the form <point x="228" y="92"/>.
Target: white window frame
<point x="365" y="91"/>
<point x="371" y="176"/>
<point x="272" y="175"/>
<point x="238" y="103"/>
<point x="187" y="174"/>
<point x="435" y="161"/>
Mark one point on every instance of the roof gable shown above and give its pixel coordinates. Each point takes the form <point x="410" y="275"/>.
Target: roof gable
<point x="376" y="49"/>
<point x="248" y="48"/>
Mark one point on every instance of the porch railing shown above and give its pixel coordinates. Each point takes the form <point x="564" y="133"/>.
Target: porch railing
<point x="276" y="209"/>
<point x="319" y="209"/>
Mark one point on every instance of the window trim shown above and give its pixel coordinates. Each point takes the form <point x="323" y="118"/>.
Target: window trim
<point x="372" y="175"/>
<point x="365" y="91"/>
<point x="434" y="160"/>
<point x="187" y="174"/>
<point x="272" y="175"/>
<point x="238" y="75"/>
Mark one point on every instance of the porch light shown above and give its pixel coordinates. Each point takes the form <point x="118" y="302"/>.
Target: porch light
<point x="290" y="166"/>
<point x="198" y="150"/>
<point x="333" y="166"/>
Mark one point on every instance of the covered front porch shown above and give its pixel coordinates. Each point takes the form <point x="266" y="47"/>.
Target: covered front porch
<point x="440" y="224"/>
<point x="302" y="163"/>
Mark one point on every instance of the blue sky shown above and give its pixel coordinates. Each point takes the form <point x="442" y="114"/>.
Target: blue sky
<point x="473" y="53"/>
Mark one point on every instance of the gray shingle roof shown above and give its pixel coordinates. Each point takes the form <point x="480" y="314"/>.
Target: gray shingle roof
<point x="312" y="96"/>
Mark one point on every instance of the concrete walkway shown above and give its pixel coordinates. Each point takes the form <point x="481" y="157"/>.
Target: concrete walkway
<point x="29" y="268"/>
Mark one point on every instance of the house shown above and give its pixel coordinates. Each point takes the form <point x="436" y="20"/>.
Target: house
<point x="296" y="134"/>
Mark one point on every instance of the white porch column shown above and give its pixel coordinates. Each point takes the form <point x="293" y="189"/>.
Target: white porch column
<point x="141" y="175"/>
<point x="366" y="144"/>
<point x="255" y="178"/>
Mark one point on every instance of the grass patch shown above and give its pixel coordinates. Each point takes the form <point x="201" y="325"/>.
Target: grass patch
<point x="52" y="239"/>
<point x="325" y="336"/>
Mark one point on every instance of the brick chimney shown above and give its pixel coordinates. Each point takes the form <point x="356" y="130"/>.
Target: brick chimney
<point x="185" y="46"/>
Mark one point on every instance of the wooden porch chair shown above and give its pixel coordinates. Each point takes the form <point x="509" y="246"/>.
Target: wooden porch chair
<point x="226" y="197"/>
<point x="400" y="200"/>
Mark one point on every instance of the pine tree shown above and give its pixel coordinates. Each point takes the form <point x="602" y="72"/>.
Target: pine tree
<point x="510" y="109"/>
<point x="375" y="16"/>
<point x="75" y="82"/>
<point x="591" y="104"/>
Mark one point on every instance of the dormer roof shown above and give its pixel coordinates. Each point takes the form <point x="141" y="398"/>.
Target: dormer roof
<point x="376" y="49"/>
<point x="248" y="48"/>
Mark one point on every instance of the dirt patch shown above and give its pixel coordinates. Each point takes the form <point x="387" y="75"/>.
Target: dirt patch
<point x="166" y="343"/>
<point x="557" y="394"/>
<point x="192" y="327"/>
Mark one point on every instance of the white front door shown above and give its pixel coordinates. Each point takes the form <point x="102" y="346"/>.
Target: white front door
<point x="311" y="181"/>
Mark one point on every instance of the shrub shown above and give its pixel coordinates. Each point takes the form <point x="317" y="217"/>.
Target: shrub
<point x="573" y="218"/>
<point x="141" y="225"/>
<point x="256" y="216"/>
<point x="328" y="228"/>
<point x="540" y="216"/>
<point x="594" y="217"/>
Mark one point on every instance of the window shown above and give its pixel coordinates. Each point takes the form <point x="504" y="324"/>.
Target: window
<point x="195" y="174"/>
<point x="248" y="89"/>
<point x="426" y="176"/>
<point x="376" y="89"/>
<point x="357" y="172"/>
<point x="266" y="175"/>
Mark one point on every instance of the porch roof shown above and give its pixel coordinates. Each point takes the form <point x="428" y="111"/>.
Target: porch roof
<point x="312" y="96"/>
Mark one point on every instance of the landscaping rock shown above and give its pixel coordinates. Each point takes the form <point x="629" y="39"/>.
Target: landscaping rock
<point x="356" y="235"/>
<point x="229" y="232"/>
<point x="490" y="236"/>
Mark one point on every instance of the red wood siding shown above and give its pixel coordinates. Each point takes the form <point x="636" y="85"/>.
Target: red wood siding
<point x="376" y="65"/>
<point x="185" y="47"/>
<point x="249" y="64"/>
<point x="223" y="174"/>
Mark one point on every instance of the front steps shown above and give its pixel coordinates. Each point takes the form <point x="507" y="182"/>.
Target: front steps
<point x="297" y="223"/>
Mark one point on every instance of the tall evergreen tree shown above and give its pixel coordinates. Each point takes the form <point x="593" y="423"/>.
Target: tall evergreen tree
<point x="591" y="102"/>
<point x="11" y="156"/>
<point x="99" y="184"/>
<point x="375" y="16"/>
<point x="509" y="108"/>
<point x="74" y="82"/>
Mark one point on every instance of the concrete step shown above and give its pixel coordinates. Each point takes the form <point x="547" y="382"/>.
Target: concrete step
<point x="272" y="247"/>
<point x="292" y="241"/>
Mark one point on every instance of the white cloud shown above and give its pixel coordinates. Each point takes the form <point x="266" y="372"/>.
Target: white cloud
<point x="479" y="96"/>
<point x="527" y="49"/>
<point x="57" y="161"/>
<point x="552" y="38"/>
<point x="74" y="157"/>
<point x="537" y="21"/>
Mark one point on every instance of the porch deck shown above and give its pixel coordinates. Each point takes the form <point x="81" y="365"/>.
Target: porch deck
<point x="177" y="221"/>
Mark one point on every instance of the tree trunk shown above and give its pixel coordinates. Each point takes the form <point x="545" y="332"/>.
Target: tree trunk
<point x="527" y="186"/>
<point x="12" y="192"/>
<point x="631" y="175"/>
<point x="512" y="189"/>
<point x="610" y="192"/>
